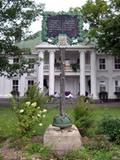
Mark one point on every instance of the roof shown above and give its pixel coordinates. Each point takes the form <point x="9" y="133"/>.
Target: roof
<point x="31" y="42"/>
<point x="35" y="42"/>
<point x="46" y="45"/>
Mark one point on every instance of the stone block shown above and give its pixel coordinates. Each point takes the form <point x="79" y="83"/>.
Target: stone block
<point x="62" y="141"/>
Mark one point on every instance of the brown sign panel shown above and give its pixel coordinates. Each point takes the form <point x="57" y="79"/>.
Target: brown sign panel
<point x="62" y="24"/>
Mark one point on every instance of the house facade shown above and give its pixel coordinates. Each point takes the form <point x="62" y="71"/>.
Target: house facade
<point x="86" y="71"/>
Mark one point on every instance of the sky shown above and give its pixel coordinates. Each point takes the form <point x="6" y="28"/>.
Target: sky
<point x="56" y="6"/>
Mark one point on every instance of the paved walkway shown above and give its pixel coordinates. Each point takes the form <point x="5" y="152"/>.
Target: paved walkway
<point x="5" y="102"/>
<point x="53" y="103"/>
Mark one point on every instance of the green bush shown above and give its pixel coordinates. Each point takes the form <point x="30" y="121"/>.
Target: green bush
<point x="33" y="94"/>
<point x="83" y="116"/>
<point x="28" y="114"/>
<point x="103" y="96"/>
<point x="29" y="111"/>
<point x="101" y="155"/>
<point x="111" y="128"/>
<point x="75" y="66"/>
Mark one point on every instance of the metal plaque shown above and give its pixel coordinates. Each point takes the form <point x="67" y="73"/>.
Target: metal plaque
<point x="62" y="24"/>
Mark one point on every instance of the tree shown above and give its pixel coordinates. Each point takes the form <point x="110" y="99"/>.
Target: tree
<point x="15" y="18"/>
<point x="104" y="22"/>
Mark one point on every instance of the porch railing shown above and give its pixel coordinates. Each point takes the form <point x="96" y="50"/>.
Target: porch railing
<point x="67" y="68"/>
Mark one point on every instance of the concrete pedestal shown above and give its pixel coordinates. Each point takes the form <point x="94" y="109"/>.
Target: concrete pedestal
<point x="62" y="140"/>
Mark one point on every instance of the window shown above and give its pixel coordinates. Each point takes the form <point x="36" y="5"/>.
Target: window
<point x="102" y="86"/>
<point x="87" y="58"/>
<point x="31" y="66"/>
<point x="102" y="63"/>
<point x="16" y="60"/>
<point x="15" y="85"/>
<point x="117" y="86"/>
<point x="30" y="83"/>
<point x="31" y="63"/>
<point x="117" y="63"/>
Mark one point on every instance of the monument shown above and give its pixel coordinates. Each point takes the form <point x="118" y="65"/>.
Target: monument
<point x="61" y="29"/>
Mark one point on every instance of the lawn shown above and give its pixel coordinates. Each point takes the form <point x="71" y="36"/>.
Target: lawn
<point x="95" y="147"/>
<point x="105" y="110"/>
<point x="8" y="120"/>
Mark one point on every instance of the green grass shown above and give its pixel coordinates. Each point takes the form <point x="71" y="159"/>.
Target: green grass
<point x="101" y="111"/>
<point x="8" y="120"/>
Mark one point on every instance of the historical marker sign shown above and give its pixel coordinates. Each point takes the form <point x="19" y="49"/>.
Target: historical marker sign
<point x="62" y="24"/>
<point x="55" y="24"/>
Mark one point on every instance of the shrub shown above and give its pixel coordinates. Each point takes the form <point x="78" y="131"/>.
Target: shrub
<point x="83" y="116"/>
<point x="103" y="95"/>
<point x="117" y="94"/>
<point x="29" y="110"/>
<point x="75" y="66"/>
<point x="28" y="114"/>
<point x="33" y="94"/>
<point x="111" y="127"/>
<point x="15" y="93"/>
<point x="101" y="155"/>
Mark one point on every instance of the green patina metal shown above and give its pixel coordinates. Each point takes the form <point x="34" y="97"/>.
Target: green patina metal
<point x="62" y="121"/>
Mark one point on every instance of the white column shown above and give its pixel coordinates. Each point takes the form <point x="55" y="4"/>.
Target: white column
<point x="23" y="85"/>
<point x="82" y="73"/>
<point x="7" y="88"/>
<point x="51" y="72"/>
<point x="93" y="75"/>
<point x="2" y="86"/>
<point x="41" y="71"/>
<point x="111" y="81"/>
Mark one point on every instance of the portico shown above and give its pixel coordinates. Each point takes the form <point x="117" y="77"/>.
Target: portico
<point x="73" y="79"/>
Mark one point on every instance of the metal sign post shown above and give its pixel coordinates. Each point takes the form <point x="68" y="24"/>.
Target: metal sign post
<point x="62" y="29"/>
<point x="62" y="120"/>
<point x="62" y="82"/>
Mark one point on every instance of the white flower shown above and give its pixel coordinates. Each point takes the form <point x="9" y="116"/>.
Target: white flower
<point x="9" y="95"/>
<point x="38" y="115"/>
<point x="34" y="104"/>
<point x="40" y="111"/>
<point x="27" y="103"/>
<point x="33" y="131"/>
<point x="22" y="110"/>
<point x="44" y="115"/>
<point x="44" y="110"/>
<point x="38" y="107"/>
<point x="40" y="124"/>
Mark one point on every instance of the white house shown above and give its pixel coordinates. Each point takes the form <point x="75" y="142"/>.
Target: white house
<point x="85" y="71"/>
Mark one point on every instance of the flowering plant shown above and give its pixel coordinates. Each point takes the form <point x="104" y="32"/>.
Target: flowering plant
<point x="28" y="114"/>
<point x="34" y="95"/>
<point x="30" y="110"/>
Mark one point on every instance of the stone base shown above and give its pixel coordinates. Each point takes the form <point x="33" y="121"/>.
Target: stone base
<point x="62" y="140"/>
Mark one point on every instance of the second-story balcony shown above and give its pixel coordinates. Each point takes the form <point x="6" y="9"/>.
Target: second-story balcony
<point x="69" y="67"/>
